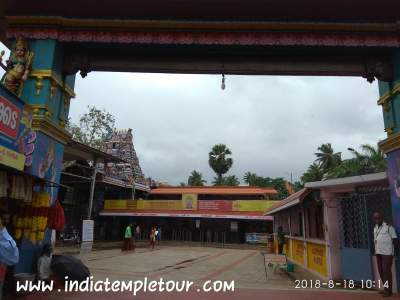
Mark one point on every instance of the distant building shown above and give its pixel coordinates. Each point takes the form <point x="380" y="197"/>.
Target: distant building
<point x="202" y="214"/>
<point x="120" y="144"/>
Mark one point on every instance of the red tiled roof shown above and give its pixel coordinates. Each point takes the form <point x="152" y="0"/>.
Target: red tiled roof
<point x="215" y="190"/>
<point x="299" y="195"/>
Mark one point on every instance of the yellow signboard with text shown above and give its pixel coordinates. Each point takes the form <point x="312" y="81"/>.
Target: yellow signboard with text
<point x="12" y="158"/>
<point x="188" y="202"/>
<point x="159" y="204"/>
<point x="298" y="251"/>
<point x="115" y="204"/>
<point x="316" y="258"/>
<point x="252" y="205"/>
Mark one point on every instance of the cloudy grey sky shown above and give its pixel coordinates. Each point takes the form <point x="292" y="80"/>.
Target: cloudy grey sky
<point x="273" y="125"/>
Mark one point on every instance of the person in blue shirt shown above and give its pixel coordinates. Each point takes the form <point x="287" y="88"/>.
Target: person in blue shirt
<point x="9" y="254"/>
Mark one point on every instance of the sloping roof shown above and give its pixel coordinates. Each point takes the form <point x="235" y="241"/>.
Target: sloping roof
<point x="352" y="180"/>
<point x="290" y="201"/>
<point x="75" y="150"/>
<point x="214" y="190"/>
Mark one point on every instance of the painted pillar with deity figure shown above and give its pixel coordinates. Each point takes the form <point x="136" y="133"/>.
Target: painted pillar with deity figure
<point x="389" y="93"/>
<point x="48" y="92"/>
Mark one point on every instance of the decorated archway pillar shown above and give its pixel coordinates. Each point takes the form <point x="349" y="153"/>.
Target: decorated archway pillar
<point x="48" y="92"/>
<point x="389" y="93"/>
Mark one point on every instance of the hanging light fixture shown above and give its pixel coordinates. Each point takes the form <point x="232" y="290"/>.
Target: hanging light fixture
<point x="223" y="82"/>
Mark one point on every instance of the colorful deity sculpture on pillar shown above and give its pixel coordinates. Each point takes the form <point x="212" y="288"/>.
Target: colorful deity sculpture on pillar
<point x="17" y="67"/>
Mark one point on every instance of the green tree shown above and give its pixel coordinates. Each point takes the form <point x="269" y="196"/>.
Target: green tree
<point x="251" y="178"/>
<point x="327" y="158"/>
<point x="196" y="179"/>
<point x="279" y="185"/>
<point x="369" y="160"/>
<point x="297" y="186"/>
<point x="313" y="173"/>
<point x="231" y="180"/>
<point x="219" y="160"/>
<point x="93" y="126"/>
<point x="348" y="167"/>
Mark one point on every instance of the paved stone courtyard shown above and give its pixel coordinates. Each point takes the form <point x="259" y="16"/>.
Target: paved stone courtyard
<point x="253" y="280"/>
<point x="245" y="267"/>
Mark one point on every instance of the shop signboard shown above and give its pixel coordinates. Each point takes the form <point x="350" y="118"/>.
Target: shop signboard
<point x="115" y="204"/>
<point x="87" y="234"/>
<point x="252" y="205"/>
<point x="316" y="258"/>
<point x="219" y="205"/>
<point x="159" y="204"/>
<point x="298" y="251"/>
<point x="16" y="136"/>
<point x="256" y="238"/>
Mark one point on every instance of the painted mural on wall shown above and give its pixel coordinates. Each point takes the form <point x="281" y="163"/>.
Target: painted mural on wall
<point x="394" y="183"/>
<point x="46" y="161"/>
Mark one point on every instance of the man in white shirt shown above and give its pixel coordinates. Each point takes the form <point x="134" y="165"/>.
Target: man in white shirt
<point x="44" y="263"/>
<point x="385" y="239"/>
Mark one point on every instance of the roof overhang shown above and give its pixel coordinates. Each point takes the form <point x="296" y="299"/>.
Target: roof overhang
<point x="290" y="201"/>
<point x="224" y="10"/>
<point x="74" y="150"/>
<point x="348" y="181"/>
<point x="283" y="207"/>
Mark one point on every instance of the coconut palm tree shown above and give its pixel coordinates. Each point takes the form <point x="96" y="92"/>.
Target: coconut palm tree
<point x="369" y="160"/>
<point x="250" y="178"/>
<point x="231" y="180"/>
<point x="327" y="158"/>
<point x="375" y="157"/>
<point x="314" y="173"/>
<point x="219" y="160"/>
<point x="196" y="179"/>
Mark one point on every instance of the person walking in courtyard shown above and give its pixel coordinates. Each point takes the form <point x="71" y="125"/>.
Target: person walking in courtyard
<point x="385" y="239"/>
<point x="137" y="233"/>
<point x="281" y="240"/>
<point x="152" y="237"/>
<point x="158" y="235"/>
<point x="128" y="238"/>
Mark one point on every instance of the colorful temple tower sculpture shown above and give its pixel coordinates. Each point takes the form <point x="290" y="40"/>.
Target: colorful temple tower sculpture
<point x="120" y="143"/>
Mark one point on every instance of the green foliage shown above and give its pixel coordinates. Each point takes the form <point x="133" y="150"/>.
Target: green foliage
<point x="196" y="179"/>
<point x="252" y="179"/>
<point x="297" y="186"/>
<point x="219" y="160"/>
<point x="231" y="180"/>
<point x="327" y="158"/>
<point x="313" y="173"/>
<point x="369" y="160"/>
<point x="330" y="164"/>
<point x="93" y="126"/>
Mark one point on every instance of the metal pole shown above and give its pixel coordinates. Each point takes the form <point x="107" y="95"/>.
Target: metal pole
<point x="92" y="186"/>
